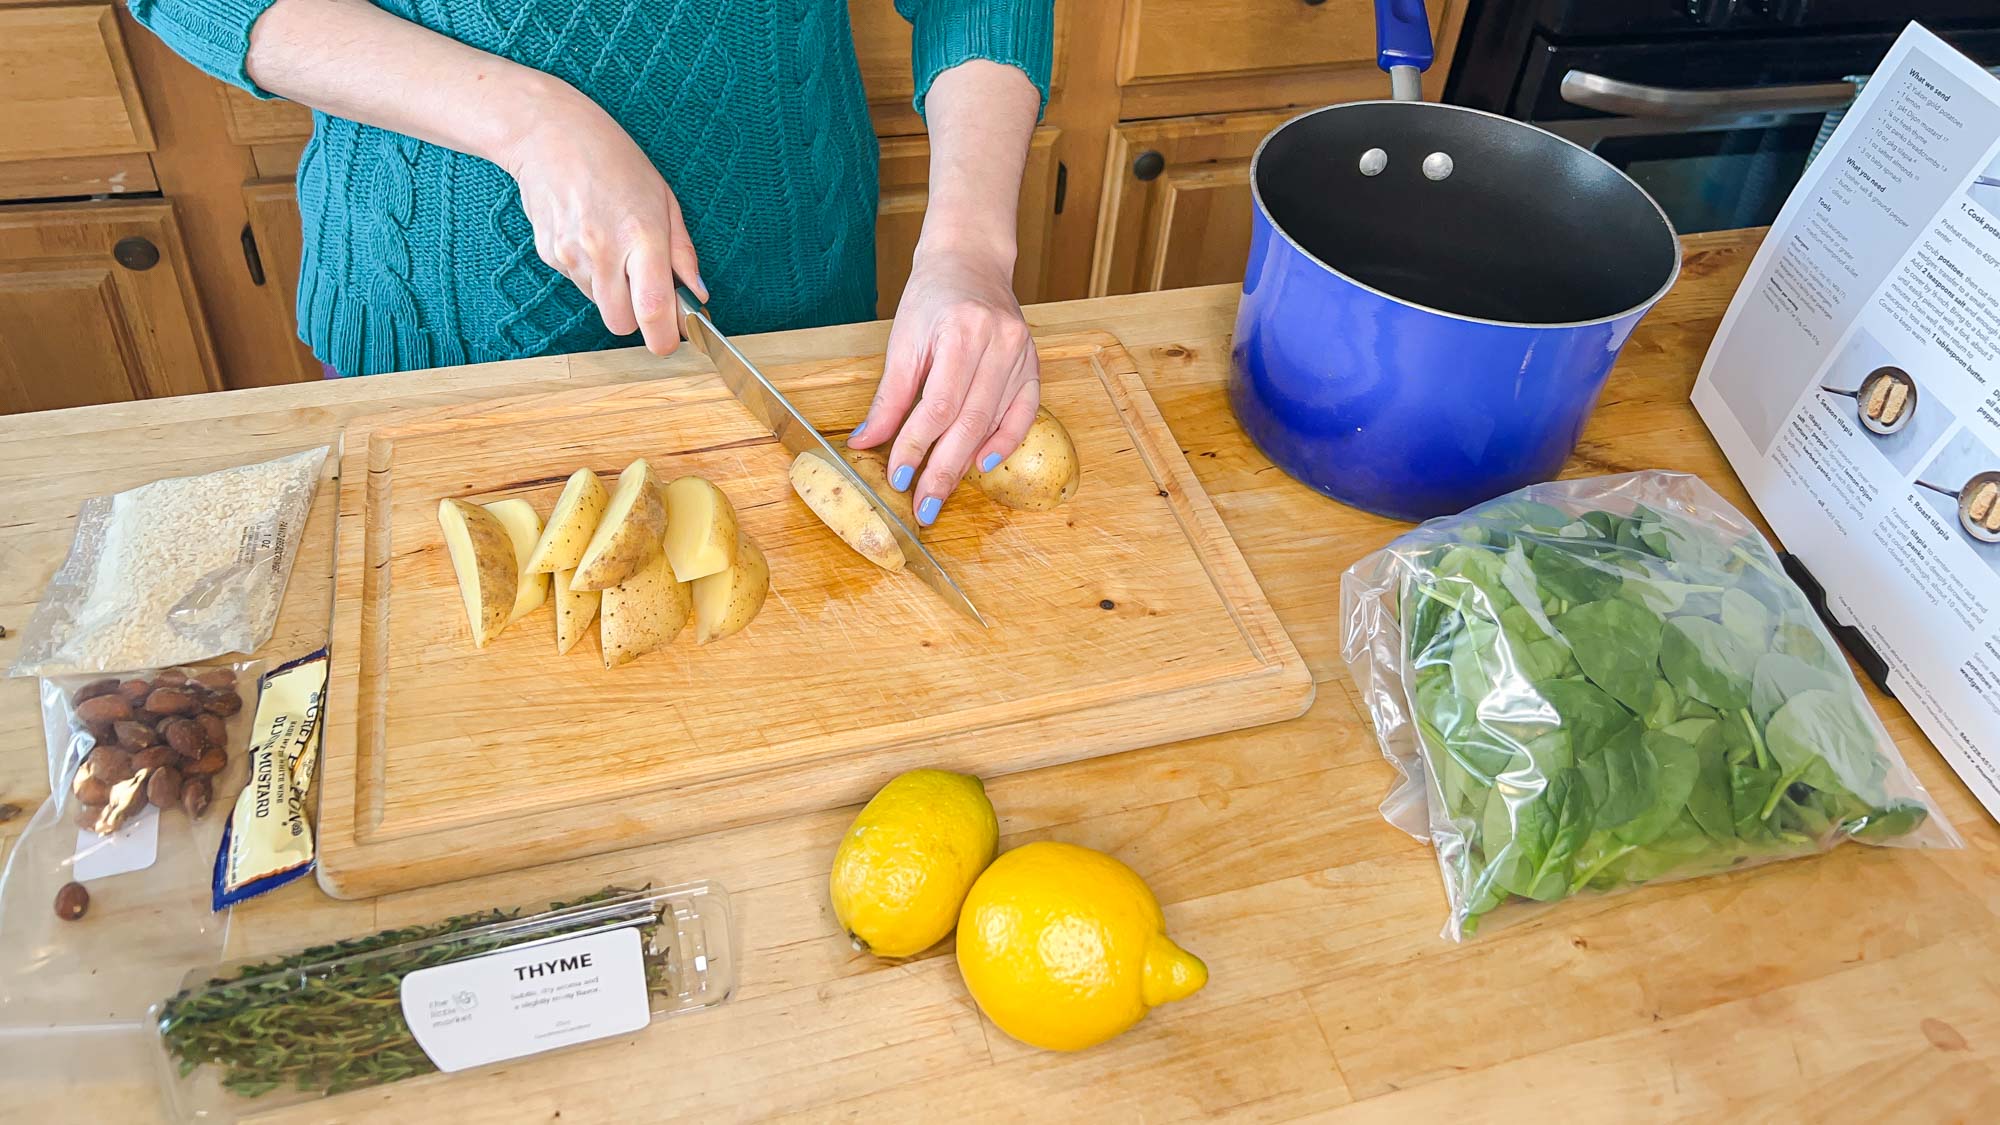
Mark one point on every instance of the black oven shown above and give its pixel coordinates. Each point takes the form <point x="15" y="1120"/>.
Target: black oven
<point x="1713" y="106"/>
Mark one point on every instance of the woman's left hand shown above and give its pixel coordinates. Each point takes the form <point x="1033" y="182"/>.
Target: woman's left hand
<point x="960" y="381"/>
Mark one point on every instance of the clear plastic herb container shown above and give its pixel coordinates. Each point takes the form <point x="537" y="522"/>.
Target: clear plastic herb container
<point x="260" y="1033"/>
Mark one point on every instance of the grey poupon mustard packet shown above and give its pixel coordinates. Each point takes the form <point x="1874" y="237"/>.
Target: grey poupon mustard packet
<point x="269" y="839"/>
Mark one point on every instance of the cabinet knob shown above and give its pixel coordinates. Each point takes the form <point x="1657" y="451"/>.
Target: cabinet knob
<point x="1149" y="165"/>
<point x="1314" y="3"/>
<point x="136" y="253"/>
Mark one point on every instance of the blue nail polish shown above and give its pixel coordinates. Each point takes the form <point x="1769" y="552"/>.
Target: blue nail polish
<point x="857" y="431"/>
<point x="986" y="465"/>
<point x="928" y="510"/>
<point x="901" y="481"/>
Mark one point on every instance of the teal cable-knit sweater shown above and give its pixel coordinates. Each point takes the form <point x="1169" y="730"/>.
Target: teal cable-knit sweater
<point x="418" y="256"/>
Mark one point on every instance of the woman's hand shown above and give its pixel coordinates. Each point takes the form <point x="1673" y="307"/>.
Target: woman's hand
<point x="605" y="219"/>
<point x="960" y="381"/>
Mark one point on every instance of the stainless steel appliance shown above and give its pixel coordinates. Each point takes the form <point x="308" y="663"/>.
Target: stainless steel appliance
<point x="1713" y="106"/>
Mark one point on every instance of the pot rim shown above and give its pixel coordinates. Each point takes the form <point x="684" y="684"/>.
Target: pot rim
<point x="1257" y="196"/>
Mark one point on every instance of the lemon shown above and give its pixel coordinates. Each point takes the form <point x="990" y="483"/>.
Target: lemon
<point x="1064" y="947"/>
<point x="908" y="859"/>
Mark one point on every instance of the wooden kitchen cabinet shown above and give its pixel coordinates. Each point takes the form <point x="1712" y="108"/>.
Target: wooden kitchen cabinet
<point x="96" y="305"/>
<point x="273" y="207"/>
<point x="1137" y="177"/>
<point x="900" y="216"/>
<point x="1176" y="206"/>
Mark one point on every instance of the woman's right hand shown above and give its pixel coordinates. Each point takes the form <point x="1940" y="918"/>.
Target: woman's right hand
<point x="605" y="219"/>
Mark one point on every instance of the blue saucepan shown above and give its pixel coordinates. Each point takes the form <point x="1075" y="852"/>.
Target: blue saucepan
<point x="1434" y="294"/>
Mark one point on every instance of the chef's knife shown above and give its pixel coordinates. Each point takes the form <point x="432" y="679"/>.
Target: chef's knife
<point x="776" y="412"/>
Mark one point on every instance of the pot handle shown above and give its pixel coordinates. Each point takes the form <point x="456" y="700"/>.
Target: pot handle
<point x="1403" y="45"/>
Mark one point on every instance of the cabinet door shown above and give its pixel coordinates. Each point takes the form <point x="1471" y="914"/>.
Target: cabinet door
<point x="96" y="306"/>
<point x="1176" y="205"/>
<point x="66" y="85"/>
<point x="900" y="216"/>
<point x="273" y="208"/>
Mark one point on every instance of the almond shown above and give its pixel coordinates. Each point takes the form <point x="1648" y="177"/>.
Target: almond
<point x="153" y="757"/>
<point x="94" y="689"/>
<point x="90" y="790"/>
<point x="111" y="765"/>
<point x="134" y="735"/>
<point x="164" y="787"/>
<point x="104" y="709"/>
<point x="195" y="795"/>
<point x="170" y="701"/>
<point x="171" y="676"/>
<point x="210" y="763"/>
<point x="134" y="692"/>
<point x="185" y="736"/>
<point x="217" y="679"/>
<point x="223" y="703"/>
<point x="213" y="729"/>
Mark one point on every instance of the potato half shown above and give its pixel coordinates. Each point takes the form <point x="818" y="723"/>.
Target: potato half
<point x="1041" y="474"/>
<point x="701" y="528"/>
<point x="844" y="511"/>
<point x="726" y="601"/>
<point x="643" y="613"/>
<point x="482" y="558"/>
<point x="571" y="525"/>
<point x="628" y="536"/>
<point x="575" y="611"/>
<point x="524" y="527"/>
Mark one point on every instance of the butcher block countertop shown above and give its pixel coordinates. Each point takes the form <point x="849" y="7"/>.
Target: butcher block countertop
<point x="1862" y="985"/>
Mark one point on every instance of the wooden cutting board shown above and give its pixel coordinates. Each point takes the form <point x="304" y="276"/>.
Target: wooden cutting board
<point x="1125" y="618"/>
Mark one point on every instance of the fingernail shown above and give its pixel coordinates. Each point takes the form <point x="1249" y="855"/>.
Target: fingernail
<point x="928" y="510"/>
<point x="701" y="287"/>
<point x="901" y="481"/>
<point x="986" y="463"/>
<point x="857" y="431"/>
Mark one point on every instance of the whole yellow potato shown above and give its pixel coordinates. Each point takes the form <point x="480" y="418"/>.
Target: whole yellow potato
<point x="1041" y="474"/>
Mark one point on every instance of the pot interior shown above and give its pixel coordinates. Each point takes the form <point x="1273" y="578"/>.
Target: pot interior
<point x="1527" y="228"/>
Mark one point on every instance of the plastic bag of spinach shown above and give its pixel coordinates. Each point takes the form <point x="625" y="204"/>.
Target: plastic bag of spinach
<point x="1594" y="684"/>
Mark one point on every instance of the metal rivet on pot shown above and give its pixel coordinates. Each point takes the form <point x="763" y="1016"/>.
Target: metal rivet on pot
<point x="1373" y="162"/>
<point x="1437" y="165"/>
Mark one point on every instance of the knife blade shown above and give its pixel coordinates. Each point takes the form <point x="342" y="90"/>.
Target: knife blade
<point x="769" y="405"/>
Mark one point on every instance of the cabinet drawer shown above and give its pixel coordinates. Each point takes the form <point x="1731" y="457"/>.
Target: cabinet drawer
<point x="66" y="85"/>
<point x="1167" y="40"/>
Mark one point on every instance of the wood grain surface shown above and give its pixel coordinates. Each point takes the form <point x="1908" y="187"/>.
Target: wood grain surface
<point x="1124" y="618"/>
<point x="1860" y="986"/>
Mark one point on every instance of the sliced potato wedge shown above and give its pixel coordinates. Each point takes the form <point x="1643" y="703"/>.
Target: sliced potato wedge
<point x="726" y="601"/>
<point x="575" y="611"/>
<point x="570" y="526"/>
<point x="844" y="511"/>
<point x="643" y="613"/>
<point x="1041" y="474"/>
<point x="701" y="528"/>
<point x="524" y="527"/>
<point x="629" y="534"/>
<point x="482" y="559"/>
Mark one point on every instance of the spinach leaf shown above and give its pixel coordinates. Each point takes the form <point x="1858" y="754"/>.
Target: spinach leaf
<point x="1709" y="802"/>
<point x="1748" y="618"/>
<point x="1571" y="578"/>
<point x="1779" y="678"/>
<point x="1678" y="770"/>
<point x="1631" y="779"/>
<point x="1531" y="837"/>
<point x="1590" y="716"/>
<point x="1617" y="644"/>
<point x="1821" y="738"/>
<point x="1707" y="660"/>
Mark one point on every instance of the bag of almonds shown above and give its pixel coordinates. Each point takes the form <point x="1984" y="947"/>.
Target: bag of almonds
<point x="105" y="901"/>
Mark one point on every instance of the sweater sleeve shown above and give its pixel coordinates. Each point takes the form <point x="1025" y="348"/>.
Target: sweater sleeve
<point x="214" y="35"/>
<point x="1017" y="33"/>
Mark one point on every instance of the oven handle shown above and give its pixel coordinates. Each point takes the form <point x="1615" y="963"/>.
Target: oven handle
<point x="1632" y="99"/>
